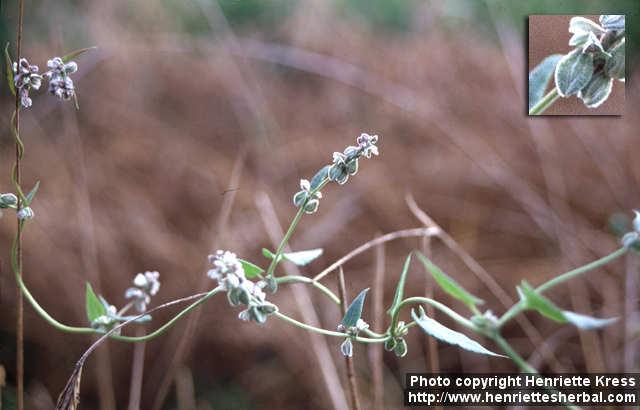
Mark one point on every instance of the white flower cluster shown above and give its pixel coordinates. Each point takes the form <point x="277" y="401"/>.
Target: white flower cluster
<point x="228" y="271"/>
<point x="26" y="78"/>
<point x="632" y="238"/>
<point x="145" y="285"/>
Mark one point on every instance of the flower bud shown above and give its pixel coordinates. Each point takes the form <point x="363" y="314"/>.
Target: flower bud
<point x="401" y="348"/>
<point x="390" y="344"/>
<point x="25" y="213"/>
<point x="346" y="348"/>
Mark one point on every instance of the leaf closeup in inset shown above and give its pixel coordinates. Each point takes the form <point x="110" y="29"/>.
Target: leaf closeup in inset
<point x="612" y="21"/>
<point x="94" y="307"/>
<point x="584" y="25"/>
<point x="354" y="311"/>
<point x="596" y="91"/>
<point x="444" y="334"/>
<point x="448" y="284"/>
<point x="539" y="78"/>
<point x="573" y="72"/>
<point x="615" y="66"/>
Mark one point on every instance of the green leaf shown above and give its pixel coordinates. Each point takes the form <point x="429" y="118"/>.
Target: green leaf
<point x="596" y="91"/>
<point x="534" y="300"/>
<point x="319" y="177"/>
<point x="448" y="284"/>
<point x="9" y="65"/>
<point x="443" y="333"/>
<point x="615" y="66"/>
<point x="587" y="322"/>
<point x="32" y="193"/>
<point x="302" y="258"/>
<point x="397" y="298"/>
<point x="250" y="270"/>
<point x="539" y="78"/>
<point x="354" y="311"/>
<point x="76" y="53"/>
<point x="94" y="307"/>
<point x="573" y="72"/>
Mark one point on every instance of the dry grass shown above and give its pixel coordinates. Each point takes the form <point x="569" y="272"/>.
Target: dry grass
<point x="136" y="180"/>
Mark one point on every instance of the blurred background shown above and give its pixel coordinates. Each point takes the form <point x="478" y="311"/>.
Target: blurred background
<point x="198" y="118"/>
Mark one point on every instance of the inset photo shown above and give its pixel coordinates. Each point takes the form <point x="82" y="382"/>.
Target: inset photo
<point x="576" y="64"/>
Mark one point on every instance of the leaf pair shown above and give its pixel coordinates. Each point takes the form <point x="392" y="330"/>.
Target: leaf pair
<point x="535" y="301"/>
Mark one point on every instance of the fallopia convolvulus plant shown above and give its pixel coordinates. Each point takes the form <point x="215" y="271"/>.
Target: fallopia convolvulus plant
<point x="588" y="71"/>
<point x="253" y="288"/>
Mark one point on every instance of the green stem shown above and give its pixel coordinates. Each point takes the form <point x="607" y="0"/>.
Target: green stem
<point x="88" y="330"/>
<point x="519" y="361"/>
<point x="519" y="307"/>
<point x="326" y="332"/>
<point x="291" y="229"/>
<point x="441" y="307"/>
<point x="306" y="280"/>
<point x="545" y="102"/>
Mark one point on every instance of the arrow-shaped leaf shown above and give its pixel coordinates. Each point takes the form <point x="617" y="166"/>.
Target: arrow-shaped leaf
<point x="443" y="333"/>
<point x="94" y="307"/>
<point x="9" y="67"/>
<point x="397" y="298"/>
<point x="354" y="311"/>
<point x="250" y="270"/>
<point x="534" y="300"/>
<point x="68" y="57"/>
<point x="300" y="258"/>
<point x="32" y="193"/>
<point x="448" y="284"/>
<point x="587" y="322"/>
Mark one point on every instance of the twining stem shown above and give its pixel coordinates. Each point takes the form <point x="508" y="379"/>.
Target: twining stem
<point x="545" y="102"/>
<point x="202" y="297"/>
<point x="326" y="332"/>
<point x="292" y="228"/>
<point x="306" y="280"/>
<point x="519" y="361"/>
<point x="519" y="307"/>
<point x="441" y="307"/>
<point x="351" y="371"/>
<point x="18" y="255"/>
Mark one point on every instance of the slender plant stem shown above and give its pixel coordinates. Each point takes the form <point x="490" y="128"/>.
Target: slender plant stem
<point x="291" y="229"/>
<point x="519" y="307"/>
<point x="202" y="297"/>
<point x="18" y="256"/>
<point x="519" y="361"/>
<point x="326" y="332"/>
<point x="441" y="307"/>
<point x="351" y="370"/>
<point x="545" y="102"/>
<point x="306" y="280"/>
<point x="137" y="372"/>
